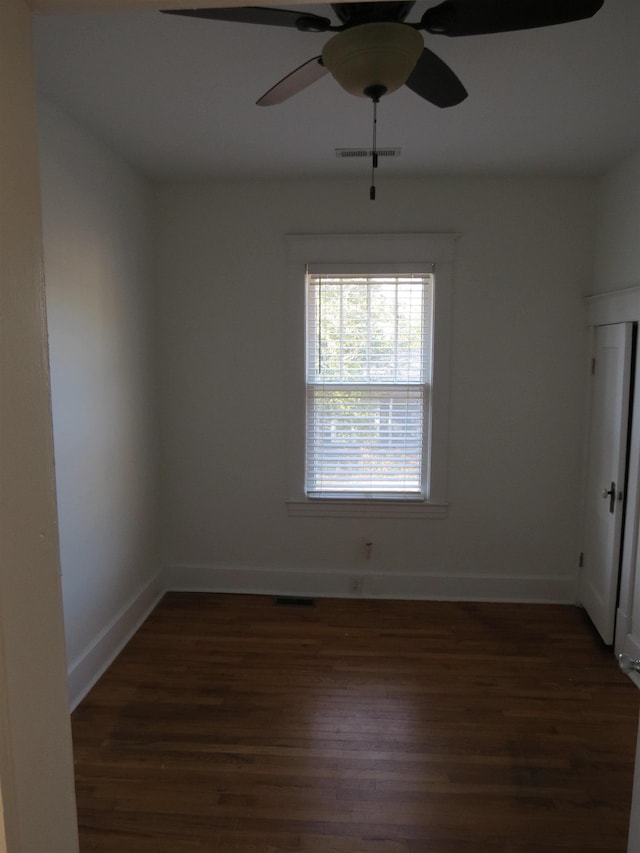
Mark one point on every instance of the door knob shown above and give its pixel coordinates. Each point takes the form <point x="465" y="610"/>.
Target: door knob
<point x="628" y="664"/>
<point x="611" y="494"/>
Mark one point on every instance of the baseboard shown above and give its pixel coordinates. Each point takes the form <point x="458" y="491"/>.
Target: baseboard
<point x="363" y="584"/>
<point x="87" y="668"/>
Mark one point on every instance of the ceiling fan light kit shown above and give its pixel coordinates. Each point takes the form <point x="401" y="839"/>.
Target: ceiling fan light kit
<point x="375" y="49"/>
<point x="377" y="57"/>
<point x="374" y="52"/>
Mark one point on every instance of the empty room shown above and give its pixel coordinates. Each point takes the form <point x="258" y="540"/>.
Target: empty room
<point x="345" y="428"/>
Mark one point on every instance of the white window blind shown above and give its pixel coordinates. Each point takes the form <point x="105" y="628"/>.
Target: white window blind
<point x="369" y="342"/>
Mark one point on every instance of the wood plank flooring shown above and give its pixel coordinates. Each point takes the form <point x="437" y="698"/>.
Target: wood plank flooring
<point x="232" y="725"/>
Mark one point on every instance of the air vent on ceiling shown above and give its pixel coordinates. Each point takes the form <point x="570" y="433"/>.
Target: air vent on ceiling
<point x="366" y="152"/>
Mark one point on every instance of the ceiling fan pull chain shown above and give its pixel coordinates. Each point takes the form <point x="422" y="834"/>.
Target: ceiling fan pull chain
<point x="374" y="151"/>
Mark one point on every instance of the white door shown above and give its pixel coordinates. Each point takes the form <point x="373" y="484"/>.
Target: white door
<point x="605" y="480"/>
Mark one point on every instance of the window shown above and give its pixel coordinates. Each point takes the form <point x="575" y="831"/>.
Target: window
<point x="368" y="380"/>
<point x="368" y="374"/>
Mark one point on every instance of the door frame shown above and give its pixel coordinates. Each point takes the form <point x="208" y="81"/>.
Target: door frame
<point x="623" y="306"/>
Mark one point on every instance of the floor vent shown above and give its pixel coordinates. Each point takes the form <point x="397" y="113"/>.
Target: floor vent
<point x="343" y="153"/>
<point x="294" y="601"/>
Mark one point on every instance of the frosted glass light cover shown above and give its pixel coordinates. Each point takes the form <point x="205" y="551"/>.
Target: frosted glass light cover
<point x="378" y="54"/>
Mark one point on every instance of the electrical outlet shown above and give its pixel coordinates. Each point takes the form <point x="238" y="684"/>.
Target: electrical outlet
<point x="355" y="584"/>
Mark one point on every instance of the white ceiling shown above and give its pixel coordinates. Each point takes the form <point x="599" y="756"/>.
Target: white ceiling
<point x="176" y="97"/>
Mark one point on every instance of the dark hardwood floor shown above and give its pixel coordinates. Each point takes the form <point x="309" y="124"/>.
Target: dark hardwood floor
<point x="233" y="725"/>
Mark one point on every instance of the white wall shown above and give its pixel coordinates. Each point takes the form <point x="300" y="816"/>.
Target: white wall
<point x="524" y="261"/>
<point x="98" y="267"/>
<point x="617" y="263"/>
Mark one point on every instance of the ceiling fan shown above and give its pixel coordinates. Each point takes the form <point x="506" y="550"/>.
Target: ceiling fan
<point x="375" y="51"/>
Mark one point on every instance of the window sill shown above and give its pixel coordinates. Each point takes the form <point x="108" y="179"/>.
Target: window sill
<point x="351" y="508"/>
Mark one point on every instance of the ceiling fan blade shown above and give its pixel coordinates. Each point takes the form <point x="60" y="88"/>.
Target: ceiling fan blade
<point x="294" y="82"/>
<point x="478" y="17"/>
<point x="434" y="81"/>
<point x="305" y="21"/>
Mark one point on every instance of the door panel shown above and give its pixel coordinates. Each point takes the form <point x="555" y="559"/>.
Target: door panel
<point x="606" y="466"/>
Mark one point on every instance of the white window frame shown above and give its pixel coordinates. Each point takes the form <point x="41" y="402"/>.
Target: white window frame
<point x="433" y="252"/>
